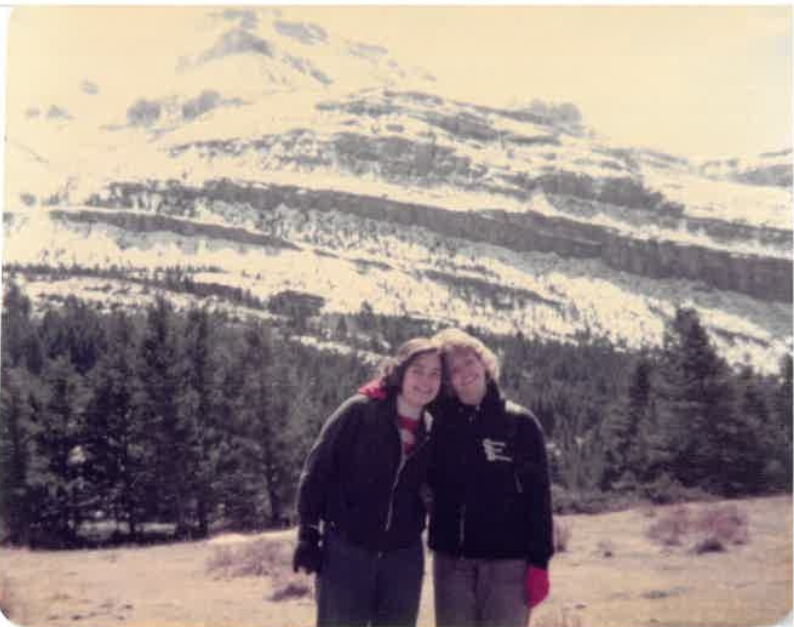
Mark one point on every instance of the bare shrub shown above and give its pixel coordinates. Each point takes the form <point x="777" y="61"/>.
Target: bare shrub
<point x="714" y="528"/>
<point x="262" y="558"/>
<point x="562" y="535"/>
<point x="606" y="548"/>
<point x="719" y="526"/>
<point x="672" y="527"/>
<point x="292" y="588"/>
<point x="708" y="545"/>
<point x="663" y="594"/>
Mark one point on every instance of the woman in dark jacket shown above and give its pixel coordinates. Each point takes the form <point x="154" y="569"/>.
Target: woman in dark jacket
<point x="491" y="523"/>
<point x="359" y="504"/>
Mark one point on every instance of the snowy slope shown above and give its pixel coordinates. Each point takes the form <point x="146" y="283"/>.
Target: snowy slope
<point x="410" y="271"/>
<point x="258" y="99"/>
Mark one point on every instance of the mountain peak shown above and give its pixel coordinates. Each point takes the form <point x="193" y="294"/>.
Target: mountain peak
<point x="320" y="162"/>
<point x="236" y="41"/>
<point x="308" y="34"/>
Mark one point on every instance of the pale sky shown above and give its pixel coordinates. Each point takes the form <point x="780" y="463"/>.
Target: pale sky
<point x="713" y="80"/>
<point x="698" y="81"/>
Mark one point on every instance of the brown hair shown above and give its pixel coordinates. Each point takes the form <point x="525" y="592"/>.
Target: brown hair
<point x="452" y="340"/>
<point x="392" y="369"/>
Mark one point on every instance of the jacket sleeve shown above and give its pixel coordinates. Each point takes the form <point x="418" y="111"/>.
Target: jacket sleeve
<point x="538" y="493"/>
<point x="321" y="468"/>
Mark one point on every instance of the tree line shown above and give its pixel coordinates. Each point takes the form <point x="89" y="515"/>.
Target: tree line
<point x="202" y="420"/>
<point x="658" y="423"/>
<point x="186" y="417"/>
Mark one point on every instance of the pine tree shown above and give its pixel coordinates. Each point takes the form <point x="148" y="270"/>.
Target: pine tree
<point x="199" y="400"/>
<point x="755" y="405"/>
<point x="781" y="423"/>
<point x="783" y="400"/>
<point x="15" y="324"/>
<point x="237" y="484"/>
<point x="15" y="433"/>
<point x="265" y="416"/>
<point x="573" y="444"/>
<point x="246" y="390"/>
<point x="624" y="430"/>
<point x="641" y="409"/>
<point x="158" y="407"/>
<point x="739" y="451"/>
<point x="341" y="328"/>
<point x="116" y="441"/>
<point x="275" y="434"/>
<point x="683" y="369"/>
<point x="293" y="414"/>
<point x="21" y="346"/>
<point x="615" y="432"/>
<point x="59" y="496"/>
<point x="366" y="317"/>
<point x="702" y="438"/>
<point x="74" y="331"/>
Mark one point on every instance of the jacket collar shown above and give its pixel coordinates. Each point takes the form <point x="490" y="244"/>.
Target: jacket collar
<point x="388" y="407"/>
<point x="492" y="402"/>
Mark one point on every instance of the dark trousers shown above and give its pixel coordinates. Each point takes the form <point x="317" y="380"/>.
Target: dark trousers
<point x="479" y="592"/>
<point x="357" y="587"/>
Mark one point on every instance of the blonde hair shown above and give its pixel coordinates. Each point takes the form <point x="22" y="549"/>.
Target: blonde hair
<point x="452" y="340"/>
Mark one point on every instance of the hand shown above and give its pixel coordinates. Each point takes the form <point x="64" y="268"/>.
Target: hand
<point x="308" y="554"/>
<point x="536" y="585"/>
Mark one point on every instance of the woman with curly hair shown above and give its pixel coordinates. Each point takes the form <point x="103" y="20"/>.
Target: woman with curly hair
<point x="359" y="504"/>
<point x="491" y="523"/>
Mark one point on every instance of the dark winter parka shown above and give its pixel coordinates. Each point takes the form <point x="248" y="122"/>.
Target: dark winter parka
<point x="357" y="481"/>
<point x="490" y="482"/>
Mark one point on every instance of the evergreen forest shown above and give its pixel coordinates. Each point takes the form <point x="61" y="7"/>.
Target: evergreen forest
<point x="118" y="424"/>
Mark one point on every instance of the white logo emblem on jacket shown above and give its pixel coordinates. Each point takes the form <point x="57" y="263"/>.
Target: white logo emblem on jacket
<point x="495" y="450"/>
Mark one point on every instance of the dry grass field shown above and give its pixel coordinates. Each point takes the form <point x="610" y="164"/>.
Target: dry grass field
<point x="611" y="574"/>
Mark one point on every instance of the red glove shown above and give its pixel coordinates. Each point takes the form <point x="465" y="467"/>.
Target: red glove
<point x="536" y="585"/>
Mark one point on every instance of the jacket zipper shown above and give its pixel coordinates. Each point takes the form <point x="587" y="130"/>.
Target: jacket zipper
<point x="462" y="526"/>
<point x="519" y="485"/>
<point x="390" y="511"/>
<point x="403" y="460"/>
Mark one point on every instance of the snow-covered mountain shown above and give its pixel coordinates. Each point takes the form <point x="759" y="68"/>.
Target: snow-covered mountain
<point x="281" y="157"/>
